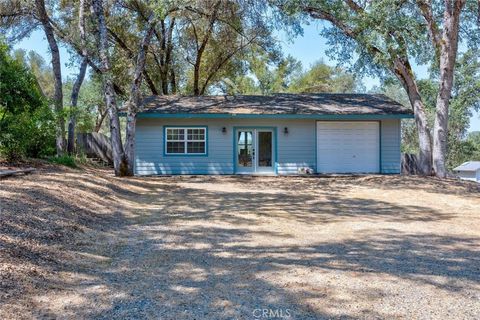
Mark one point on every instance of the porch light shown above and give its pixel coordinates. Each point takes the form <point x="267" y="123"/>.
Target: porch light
<point x="224" y="129"/>
<point x="285" y="130"/>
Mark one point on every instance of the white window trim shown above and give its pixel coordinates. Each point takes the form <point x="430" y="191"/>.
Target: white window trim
<point x="185" y="141"/>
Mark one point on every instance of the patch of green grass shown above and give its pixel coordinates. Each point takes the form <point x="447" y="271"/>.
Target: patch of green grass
<point x="81" y="159"/>
<point x="68" y="161"/>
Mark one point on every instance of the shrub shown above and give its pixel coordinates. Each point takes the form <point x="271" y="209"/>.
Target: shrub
<point x="68" y="161"/>
<point x="28" y="135"/>
<point x="27" y="127"/>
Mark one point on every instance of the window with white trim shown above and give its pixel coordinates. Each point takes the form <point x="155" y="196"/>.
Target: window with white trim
<point x="191" y="140"/>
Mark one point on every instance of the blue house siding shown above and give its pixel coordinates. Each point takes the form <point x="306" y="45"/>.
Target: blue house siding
<point x="390" y="141"/>
<point x="149" y="153"/>
<point x="294" y="150"/>
<point x="297" y="148"/>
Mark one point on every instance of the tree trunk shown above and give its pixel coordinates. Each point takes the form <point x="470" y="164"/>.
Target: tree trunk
<point x="57" y="73"/>
<point x="424" y="138"/>
<point x="168" y="54"/>
<point x="403" y="73"/>
<point x="173" y="82"/>
<point x="99" y="122"/>
<point x="119" y="162"/>
<point x="78" y="81"/>
<point x="201" y="49"/>
<point x="448" y="54"/>
<point x="196" y="75"/>
<point x="440" y="130"/>
<point x="73" y="106"/>
<point x="130" y="141"/>
<point x="163" y="56"/>
<point x="400" y="66"/>
<point x="134" y="101"/>
<point x="163" y="59"/>
<point x="82" y="52"/>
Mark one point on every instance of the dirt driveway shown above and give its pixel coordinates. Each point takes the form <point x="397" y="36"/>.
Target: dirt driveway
<point x="263" y="248"/>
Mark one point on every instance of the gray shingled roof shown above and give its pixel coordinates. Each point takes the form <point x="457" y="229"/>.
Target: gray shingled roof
<point x="302" y="104"/>
<point x="468" y="166"/>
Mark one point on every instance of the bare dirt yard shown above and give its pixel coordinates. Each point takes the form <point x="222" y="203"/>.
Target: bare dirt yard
<point x="83" y="244"/>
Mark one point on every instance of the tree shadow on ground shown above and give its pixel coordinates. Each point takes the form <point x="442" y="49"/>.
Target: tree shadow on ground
<point x="38" y="219"/>
<point x="282" y="198"/>
<point x="203" y="273"/>
<point x="162" y="261"/>
<point x="426" y="184"/>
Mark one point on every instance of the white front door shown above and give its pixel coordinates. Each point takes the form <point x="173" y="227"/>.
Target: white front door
<point x="348" y="147"/>
<point x="254" y="151"/>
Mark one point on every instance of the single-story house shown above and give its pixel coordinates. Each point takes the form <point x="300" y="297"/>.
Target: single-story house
<point x="469" y="170"/>
<point x="278" y="134"/>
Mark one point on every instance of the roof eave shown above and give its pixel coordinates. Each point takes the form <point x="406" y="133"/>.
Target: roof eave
<point x="153" y="114"/>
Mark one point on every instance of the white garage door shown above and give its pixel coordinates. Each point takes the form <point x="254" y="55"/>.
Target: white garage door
<point x="348" y="147"/>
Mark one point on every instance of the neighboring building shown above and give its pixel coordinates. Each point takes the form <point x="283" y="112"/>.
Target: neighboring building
<point x="469" y="171"/>
<point x="279" y="134"/>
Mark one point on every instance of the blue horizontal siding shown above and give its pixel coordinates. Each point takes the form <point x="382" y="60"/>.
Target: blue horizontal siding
<point x="390" y="146"/>
<point x="295" y="150"/>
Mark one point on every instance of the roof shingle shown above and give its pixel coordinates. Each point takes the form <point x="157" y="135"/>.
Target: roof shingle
<point x="302" y="104"/>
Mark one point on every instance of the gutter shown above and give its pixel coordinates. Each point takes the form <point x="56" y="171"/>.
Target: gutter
<point x="156" y="115"/>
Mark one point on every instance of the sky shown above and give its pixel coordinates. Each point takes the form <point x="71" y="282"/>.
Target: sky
<point x="308" y="48"/>
<point x="311" y="47"/>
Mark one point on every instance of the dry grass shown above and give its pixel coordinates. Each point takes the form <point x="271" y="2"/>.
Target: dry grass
<point x="81" y="243"/>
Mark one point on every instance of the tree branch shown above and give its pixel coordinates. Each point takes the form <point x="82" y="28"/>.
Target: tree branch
<point x="222" y="62"/>
<point x="140" y="66"/>
<point x="354" y="6"/>
<point x="78" y="50"/>
<point x="131" y="55"/>
<point x="425" y="7"/>
<point x="317" y="13"/>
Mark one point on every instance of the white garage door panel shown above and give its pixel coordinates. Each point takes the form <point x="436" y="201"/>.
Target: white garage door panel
<point x="348" y="147"/>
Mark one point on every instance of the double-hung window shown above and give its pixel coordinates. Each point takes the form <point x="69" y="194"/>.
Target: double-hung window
<point x="186" y="140"/>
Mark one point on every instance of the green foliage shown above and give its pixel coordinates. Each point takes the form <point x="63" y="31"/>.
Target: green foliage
<point x="16" y="85"/>
<point x="463" y="151"/>
<point x="40" y="69"/>
<point x="287" y="76"/>
<point x="474" y="139"/>
<point x="238" y="34"/>
<point x="465" y="99"/>
<point x="239" y="85"/>
<point x="26" y="123"/>
<point x="467" y="149"/>
<point x="324" y="78"/>
<point x="90" y="103"/>
<point x="262" y="73"/>
<point x="65" y="160"/>
<point x="372" y="35"/>
<point x="274" y="79"/>
<point x="28" y="134"/>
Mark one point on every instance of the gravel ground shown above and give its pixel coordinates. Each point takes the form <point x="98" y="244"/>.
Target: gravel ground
<point x="375" y="247"/>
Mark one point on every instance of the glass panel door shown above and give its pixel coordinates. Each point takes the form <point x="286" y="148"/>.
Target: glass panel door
<point x="245" y="151"/>
<point x="255" y="151"/>
<point x="265" y="151"/>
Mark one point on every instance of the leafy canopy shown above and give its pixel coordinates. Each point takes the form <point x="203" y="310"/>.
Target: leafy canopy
<point x="26" y="122"/>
